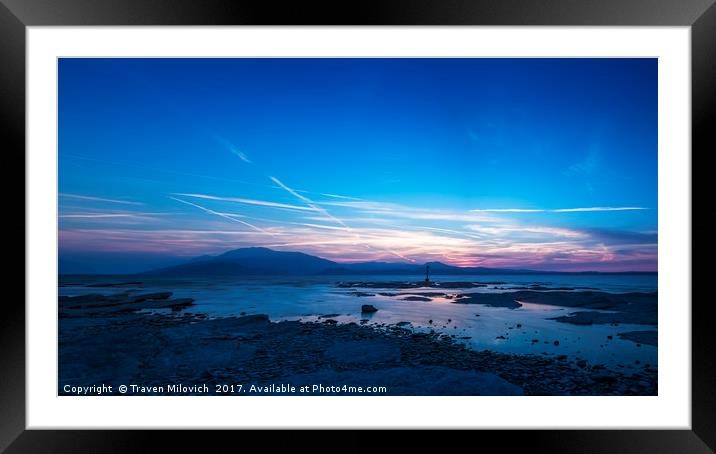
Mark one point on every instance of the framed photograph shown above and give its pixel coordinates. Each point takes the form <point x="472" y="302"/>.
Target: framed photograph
<point x="463" y="215"/>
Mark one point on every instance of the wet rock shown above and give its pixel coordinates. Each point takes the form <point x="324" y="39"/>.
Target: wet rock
<point x="416" y="298"/>
<point x="149" y="297"/>
<point x="603" y="377"/>
<point x="491" y="299"/>
<point x="363" y="352"/>
<point x="121" y="347"/>
<point x="641" y="337"/>
<point x="362" y="294"/>
<point x="255" y="319"/>
<point x="368" y="309"/>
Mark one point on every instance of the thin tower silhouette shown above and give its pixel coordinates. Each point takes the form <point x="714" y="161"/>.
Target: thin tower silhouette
<point x="427" y="273"/>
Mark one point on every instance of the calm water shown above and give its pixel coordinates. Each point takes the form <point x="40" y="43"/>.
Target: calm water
<point x="306" y="298"/>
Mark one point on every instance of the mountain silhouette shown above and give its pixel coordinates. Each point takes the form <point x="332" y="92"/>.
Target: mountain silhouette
<point x="262" y="261"/>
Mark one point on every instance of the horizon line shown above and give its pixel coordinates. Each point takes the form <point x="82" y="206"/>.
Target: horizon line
<point x="541" y="271"/>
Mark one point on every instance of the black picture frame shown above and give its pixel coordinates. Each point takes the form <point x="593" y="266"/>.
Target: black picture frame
<point x="700" y="15"/>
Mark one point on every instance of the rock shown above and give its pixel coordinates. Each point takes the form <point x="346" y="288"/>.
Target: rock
<point x="177" y="304"/>
<point x="368" y="309"/>
<point x="402" y="324"/>
<point x="363" y="352"/>
<point x="603" y="377"/>
<point x="556" y="342"/>
<point x="252" y="320"/>
<point x="581" y="363"/>
<point x="362" y="294"/>
<point x="519" y="325"/>
<point x="500" y="337"/>
<point x="491" y="300"/>
<point x="151" y="296"/>
<point x="642" y="337"/>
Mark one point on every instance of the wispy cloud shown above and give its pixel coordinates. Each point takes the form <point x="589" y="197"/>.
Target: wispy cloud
<point x="558" y="210"/>
<point x="400" y="211"/>
<point x="357" y="237"/>
<point x="504" y="230"/>
<point x="586" y="168"/>
<point x="308" y="202"/>
<point x="105" y="215"/>
<point x="336" y="196"/>
<point x="507" y="210"/>
<point x="247" y="201"/>
<point x="573" y="210"/>
<point x="501" y="245"/>
<point x="225" y="216"/>
<point x="233" y="149"/>
<point x="240" y="154"/>
<point x="97" y="199"/>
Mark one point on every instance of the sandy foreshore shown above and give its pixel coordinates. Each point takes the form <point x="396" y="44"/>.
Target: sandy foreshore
<point x="115" y="340"/>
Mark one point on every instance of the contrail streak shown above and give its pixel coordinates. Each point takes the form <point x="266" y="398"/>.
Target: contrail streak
<point x="247" y="201"/>
<point x="558" y="210"/>
<point x="309" y="202"/>
<point x="323" y="211"/>
<point x="223" y="215"/>
<point x="97" y="199"/>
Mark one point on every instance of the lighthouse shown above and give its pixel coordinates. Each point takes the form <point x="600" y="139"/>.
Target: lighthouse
<point x="427" y="274"/>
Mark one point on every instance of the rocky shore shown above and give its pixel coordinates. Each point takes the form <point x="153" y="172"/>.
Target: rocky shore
<point x="123" y="339"/>
<point x="637" y="308"/>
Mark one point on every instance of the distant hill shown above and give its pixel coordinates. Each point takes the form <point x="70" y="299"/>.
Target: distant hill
<point x="249" y="261"/>
<point x="259" y="261"/>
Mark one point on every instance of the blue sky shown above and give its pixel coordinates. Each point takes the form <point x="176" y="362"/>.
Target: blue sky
<point x="530" y="163"/>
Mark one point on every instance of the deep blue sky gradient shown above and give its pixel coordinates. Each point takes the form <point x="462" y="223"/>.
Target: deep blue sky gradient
<point x="437" y="135"/>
